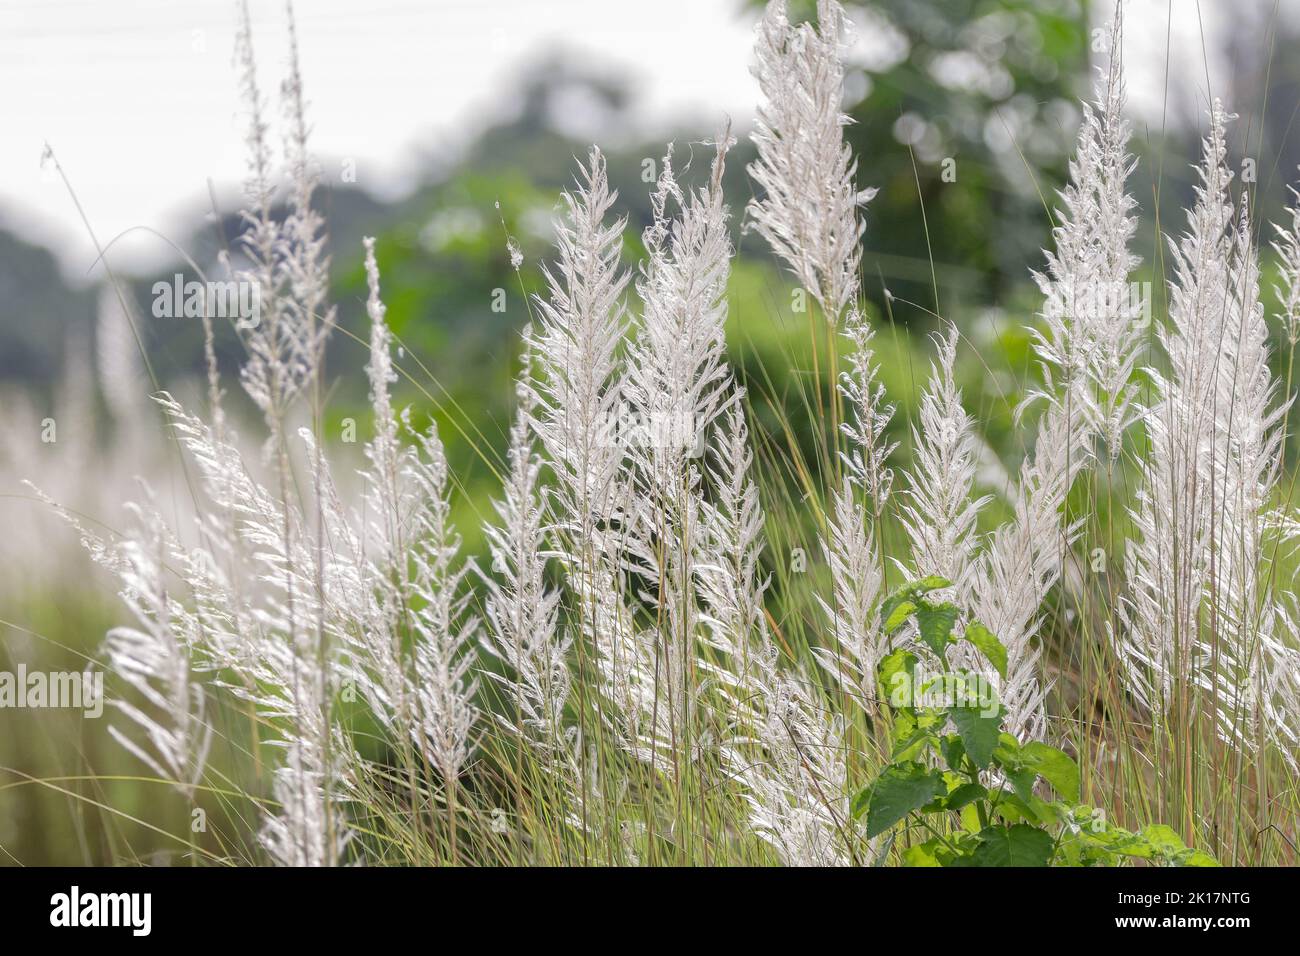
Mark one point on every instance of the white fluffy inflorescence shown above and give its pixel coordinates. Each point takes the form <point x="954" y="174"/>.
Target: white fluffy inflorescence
<point x="940" y="513"/>
<point x="1093" y="318"/>
<point x="154" y="657"/>
<point x="1166" y="566"/>
<point x="521" y="608"/>
<point x="1087" y="350"/>
<point x="783" y="745"/>
<point x="1202" y="617"/>
<point x="809" y="213"/>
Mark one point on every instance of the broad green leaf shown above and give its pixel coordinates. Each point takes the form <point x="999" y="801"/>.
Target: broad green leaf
<point x="900" y="593"/>
<point x="1007" y="752"/>
<point x="904" y="726"/>
<point x="953" y="751"/>
<point x="910" y="747"/>
<point x="1153" y="842"/>
<point x="1118" y="840"/>
<point x="1085" y="817"/>
<point x="901" y="789"/>
<point x="1073" y="850"/>
<point x="899" y="605"/>
<point x="1011" y="809"/>
<point x="935" y="622"/>
<point x="1022" y="782"/>
<point x="860" y="802"/>
<point x="931" y="582"/>
<point x="900" y="613"/>
<point x="1030" y="809"/>
<point x="951" y="782"/>
<point x="1018" y="845"/>
<point x="897" y="675"/>
<point x="914" y="732"/>
<point x="1054" y="766"/>
<point x="973" y="689"/>
<point x="1163" y="839"/>
<point x="979" y="733"/>
<point x="922" y="854"/>
<point x="989" y="646"/>
<point x="917" y="588"/>
<point x="965" y="794"/>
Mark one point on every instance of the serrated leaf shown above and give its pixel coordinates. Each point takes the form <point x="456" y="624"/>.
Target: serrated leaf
<point x="904" y="726"/>
<point x="1125" y="843"/>
<point x="899" y="614"/>
<point x="1018" y="845"/>
<point x="953" y="751"/>
<point x="988" y="645"/>
<point x="1022" y="782"/>
<point x="897" y="676"/>
<point x="935" y="622"/>
<point x="967" y="793"/>
<point x="860" y="802"/>
<point x="914" y="732"/>
<point x="979" y="733"/>
<point x="1054" y="766"/>
<point x="922" y="854"/>
<point x="1163" y="839"/>
<point x="1007" y="752"/>
<point x="900" y="790"/>
<point x="1029" y="809"/>
<point x="931" y="582"/>
<point x="910" y="747"/>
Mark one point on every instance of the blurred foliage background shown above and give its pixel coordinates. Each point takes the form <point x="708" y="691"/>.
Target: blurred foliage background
<point x="987" y="90"/>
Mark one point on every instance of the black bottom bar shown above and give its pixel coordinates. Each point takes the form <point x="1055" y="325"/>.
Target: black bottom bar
<point x="225" y="907"/>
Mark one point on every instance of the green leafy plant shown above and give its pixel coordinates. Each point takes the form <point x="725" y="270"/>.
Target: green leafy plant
<point x="958" y="779"/>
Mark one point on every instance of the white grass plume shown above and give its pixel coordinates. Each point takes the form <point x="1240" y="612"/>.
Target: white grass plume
<point x="521" y="609"/>
<point x="303" y="259"/>
<point x="155" y="656"/>
<point x="809" y="209"/>
<point x="729" y="574"/>
<point x="940" y="512"/>
<point x="574" y="411"/>
<point x="1255" y="662"/>
<point x="1092" y="321"/>
<point x="784" y="749"/>
<point x="1087" y="348"/>
<point x="1287" y="247"/>
<point x="851" y="544"/>
<point x="856" y="642"/>
<point x="418" y="580"/>
<point x="578" y="369"/>
<point x="448" y="633"/>
<point x="676" y="386"/>
<point x="866" y="462"/>
<point x="1167" y="564"/>
<point x="808" y="214"/>
<point x="1022" y="560"/>
<point x="286" y="260"/>
<point x="677" y="372"/>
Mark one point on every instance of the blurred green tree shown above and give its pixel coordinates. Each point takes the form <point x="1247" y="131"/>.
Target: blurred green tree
<point x="964" y="114"/>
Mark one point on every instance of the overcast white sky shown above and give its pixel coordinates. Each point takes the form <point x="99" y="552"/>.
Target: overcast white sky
<point x="138" y="98"/>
